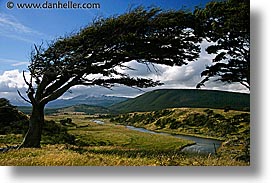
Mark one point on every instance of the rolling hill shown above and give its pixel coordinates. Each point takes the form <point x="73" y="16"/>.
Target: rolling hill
<point x="173" y="98"/>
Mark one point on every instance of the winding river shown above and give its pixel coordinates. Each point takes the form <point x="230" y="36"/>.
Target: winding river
<point x="202" y="145"/>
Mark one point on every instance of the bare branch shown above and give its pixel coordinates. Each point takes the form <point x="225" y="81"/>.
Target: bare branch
<point x="28" y="83"/>
<point x="60" y="91"/>
<point x="244" y="84"/>
<point x="23" y="97"/>
<point x="37" y="49"/>
<point x="126" y="67"/>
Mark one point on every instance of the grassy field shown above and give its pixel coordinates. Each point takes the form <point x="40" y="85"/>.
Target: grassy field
<point x="109" y="145"/>
<point x="62" y="155"/>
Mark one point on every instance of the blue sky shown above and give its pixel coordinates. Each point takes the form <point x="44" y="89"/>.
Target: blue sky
<point x="20" y="29"/>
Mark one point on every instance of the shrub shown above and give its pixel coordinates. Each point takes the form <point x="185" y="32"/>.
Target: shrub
<point x="67" y="122"/>
<point x="174" y="124"/>
<point x="4" y="102"/>
<point x="54" y="133"/>
<point x="12" y="120"/>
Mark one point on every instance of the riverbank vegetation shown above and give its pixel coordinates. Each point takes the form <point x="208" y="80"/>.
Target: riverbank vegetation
<point x="106" y="144"/>
<point x="233" y="127"/>
<point x="78" y="140"/>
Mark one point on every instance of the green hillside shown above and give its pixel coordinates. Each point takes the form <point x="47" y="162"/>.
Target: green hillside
<point x="232" y="127"/>
<point x="173" y="98"/>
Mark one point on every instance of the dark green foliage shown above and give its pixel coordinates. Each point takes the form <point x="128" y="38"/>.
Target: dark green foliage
<point x="14" y="127"/>
<point x="227" y="25"/>
<point x="140" y="118"/>
<point x="11" y="120"/>
<point x="227" y="108"/>
<point x="161" y="123"/>
<point x="97" y="56"/>
<point x="170" y="98"/>
<point x="195" y="119"/>
<point x="174" y="124"/>
<point x="4" y="102"/>
<point x="148" y="36"/>
<point x="54" y="133"/>
<point x="213" y="124"/>
<point x="67" y="122"/>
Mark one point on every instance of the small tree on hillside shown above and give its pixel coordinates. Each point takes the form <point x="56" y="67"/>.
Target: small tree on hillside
<point x="97" y="54"/>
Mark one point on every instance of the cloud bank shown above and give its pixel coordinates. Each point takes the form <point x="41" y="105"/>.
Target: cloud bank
<point x="176" y="77"/>
<point x="172" y="77"/>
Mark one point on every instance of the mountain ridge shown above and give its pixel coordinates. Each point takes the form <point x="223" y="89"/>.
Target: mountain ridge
<point x="92" y="100"/>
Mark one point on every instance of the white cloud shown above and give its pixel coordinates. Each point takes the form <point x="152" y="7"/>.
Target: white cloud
<point x="183" y="76"/>
<point x="172" y="77"/>
<point x="12" y="80"/>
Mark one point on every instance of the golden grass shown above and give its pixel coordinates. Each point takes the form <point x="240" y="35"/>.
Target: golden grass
<point x="112" y="145"/>
<point x="61" y="155"/>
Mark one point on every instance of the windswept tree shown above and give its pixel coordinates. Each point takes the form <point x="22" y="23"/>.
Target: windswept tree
<point x="225" y="24"/>
<point x="97" y="54"/>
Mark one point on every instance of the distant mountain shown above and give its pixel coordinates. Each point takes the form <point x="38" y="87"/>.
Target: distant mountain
<point x="194" y="98"/>
<point x="99" y="100"/>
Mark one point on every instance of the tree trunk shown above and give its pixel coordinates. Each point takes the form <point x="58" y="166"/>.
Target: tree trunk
<point x="33" y="136"/>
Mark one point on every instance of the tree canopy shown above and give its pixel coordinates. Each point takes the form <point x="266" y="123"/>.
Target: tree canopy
<point x="97" y="54"/>
<point x="146" y="36"/>
<point x="226" y="25"/>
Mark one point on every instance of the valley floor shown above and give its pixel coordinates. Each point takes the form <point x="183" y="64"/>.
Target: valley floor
<point x="109" y="145"/>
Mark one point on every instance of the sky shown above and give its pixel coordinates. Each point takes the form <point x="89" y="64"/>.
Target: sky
<point x="21" y="28"/>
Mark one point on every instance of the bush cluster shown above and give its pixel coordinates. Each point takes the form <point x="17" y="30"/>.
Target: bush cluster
<point x="54" y="133"/>
<point x="13" y="121"/>
<point x="234" y="129"/>
<point x="141" y="118"/>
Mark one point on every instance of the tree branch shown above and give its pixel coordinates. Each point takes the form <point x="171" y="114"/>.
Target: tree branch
<point x="127" y="81"/>
<point x="57" y="93"/>
<point x="245" y="84"/>
<point x="28" y="83"/>
<point x="50" y="89"/>
<point x="23" y="97"/>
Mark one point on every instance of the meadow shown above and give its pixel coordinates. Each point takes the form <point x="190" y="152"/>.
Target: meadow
<point x="108" y="144"/>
